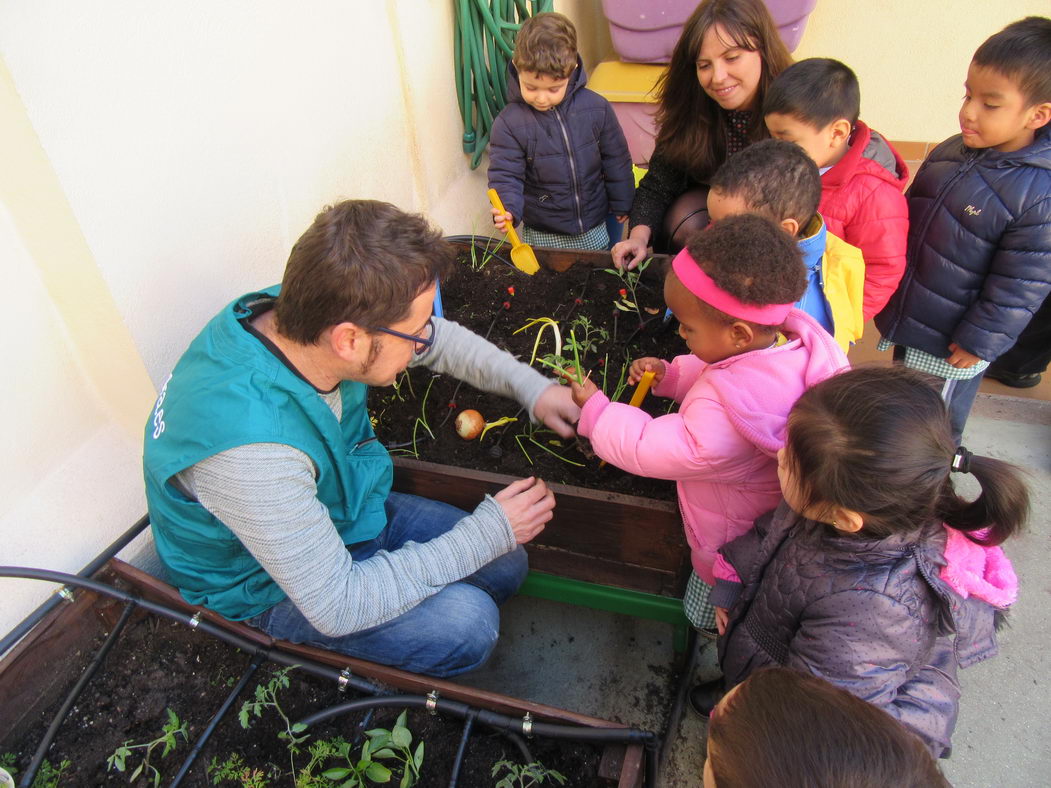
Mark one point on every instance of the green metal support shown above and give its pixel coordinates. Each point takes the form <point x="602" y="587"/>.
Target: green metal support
<point x="610" y="598"/>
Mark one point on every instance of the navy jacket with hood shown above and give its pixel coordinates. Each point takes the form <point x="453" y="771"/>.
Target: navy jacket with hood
<point x="979" y="249"/>
<point x="565" y="169"/>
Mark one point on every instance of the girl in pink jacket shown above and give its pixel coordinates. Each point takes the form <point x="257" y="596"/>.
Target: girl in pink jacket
<point x="751" y="356"/>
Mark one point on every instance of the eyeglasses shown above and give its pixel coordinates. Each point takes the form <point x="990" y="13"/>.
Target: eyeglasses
<point x="420" y="342"/>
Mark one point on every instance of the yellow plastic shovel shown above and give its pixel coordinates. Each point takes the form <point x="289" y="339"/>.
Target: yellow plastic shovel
<point x="641" y="390"/>
<point x="522" y="254"/>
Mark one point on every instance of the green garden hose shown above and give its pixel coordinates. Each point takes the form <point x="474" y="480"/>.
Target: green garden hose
<point x="483" y="44"/>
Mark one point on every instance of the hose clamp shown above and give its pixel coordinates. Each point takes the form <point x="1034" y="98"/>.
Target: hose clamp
<point x="432" y="702"/>
<point x="527" y="725"/>
<point x="67" y="594"/>
<point x="344" y="679"/>
<point x="195" y="620"/>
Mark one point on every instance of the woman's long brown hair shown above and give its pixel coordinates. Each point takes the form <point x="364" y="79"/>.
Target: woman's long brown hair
<point x="692" y="129"/>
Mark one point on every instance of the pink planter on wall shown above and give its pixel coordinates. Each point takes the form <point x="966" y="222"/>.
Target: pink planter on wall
<point x="645" y="31"/>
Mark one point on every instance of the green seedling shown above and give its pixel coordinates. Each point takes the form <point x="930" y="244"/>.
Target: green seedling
<point x="234" y="769"/>
<point x="493" y="424"/>
<point x="629" y="301"/>
<point x="266" y="697"/>
<point x="528" y="435"/>
<point x="525" y="775"/>
<point x="480" y="259"/>
<point x="168" y="740"/>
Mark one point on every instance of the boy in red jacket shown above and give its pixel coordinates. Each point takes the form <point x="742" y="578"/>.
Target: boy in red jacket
<point x="815" y="104"/>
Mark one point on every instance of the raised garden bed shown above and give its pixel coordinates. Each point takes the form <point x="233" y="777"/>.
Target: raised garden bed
<point x="609" y="527"/>
<point x="158" y="664"/>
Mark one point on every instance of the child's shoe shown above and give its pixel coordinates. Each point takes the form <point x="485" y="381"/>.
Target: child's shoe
<point x="705" y="696"/>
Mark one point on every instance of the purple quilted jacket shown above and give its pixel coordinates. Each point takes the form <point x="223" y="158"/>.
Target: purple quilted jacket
<point x="869" y="615"/>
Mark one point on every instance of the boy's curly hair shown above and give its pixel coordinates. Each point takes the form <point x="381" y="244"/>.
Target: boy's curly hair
<point x="776" y="179"/>
<point x="546" y="45"/>
<point x="752" y="259"/>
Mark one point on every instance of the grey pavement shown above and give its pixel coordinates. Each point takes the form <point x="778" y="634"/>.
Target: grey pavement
<point x="620" y="668"/>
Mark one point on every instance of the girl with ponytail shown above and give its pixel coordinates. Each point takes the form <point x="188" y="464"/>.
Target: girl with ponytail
<point x="873" y="573"/>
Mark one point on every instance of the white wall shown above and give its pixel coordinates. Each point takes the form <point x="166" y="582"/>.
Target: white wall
<point x="169" y="154"/>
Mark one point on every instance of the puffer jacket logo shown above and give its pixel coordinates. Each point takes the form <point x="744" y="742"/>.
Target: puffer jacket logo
<point x="970" y="210"/>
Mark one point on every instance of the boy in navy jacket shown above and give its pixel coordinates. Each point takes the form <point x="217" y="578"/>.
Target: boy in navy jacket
<point x="557" y="155"/>
<point x="979" y="249"/>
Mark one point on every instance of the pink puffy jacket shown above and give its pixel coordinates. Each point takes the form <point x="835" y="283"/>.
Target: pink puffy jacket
<point x="721" y="445"/>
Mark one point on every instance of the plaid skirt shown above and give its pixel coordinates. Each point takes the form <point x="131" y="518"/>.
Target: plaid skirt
<point x="595" y="239"/>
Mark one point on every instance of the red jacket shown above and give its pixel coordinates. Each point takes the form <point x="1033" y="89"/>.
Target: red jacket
<point x="863" y="203"/>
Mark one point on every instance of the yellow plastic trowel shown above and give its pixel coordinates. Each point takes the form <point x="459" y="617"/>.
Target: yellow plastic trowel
<point x="641" y="390"/>
<point x="522" y="254"/>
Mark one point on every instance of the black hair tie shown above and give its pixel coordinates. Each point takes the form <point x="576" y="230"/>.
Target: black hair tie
<point x="961" y="461"/>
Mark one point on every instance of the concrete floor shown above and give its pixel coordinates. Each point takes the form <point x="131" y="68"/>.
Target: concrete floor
<point x="620" y="668"/>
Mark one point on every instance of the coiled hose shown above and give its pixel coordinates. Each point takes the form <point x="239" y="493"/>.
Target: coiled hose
<point x="484" y="42"/>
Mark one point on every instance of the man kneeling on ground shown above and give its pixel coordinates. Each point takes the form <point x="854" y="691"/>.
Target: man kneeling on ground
<point x="269" y="494"/>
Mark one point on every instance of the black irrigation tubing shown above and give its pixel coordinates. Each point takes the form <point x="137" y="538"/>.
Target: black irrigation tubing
<point x="504" y="722"/>
<point x="97" y="563"/>
<point x="71" y="698"/>
<point x="454" y="775"/>
<point x="343" y="678"/>
<point x="381" y="697"/>
<point x="258" y="659"/>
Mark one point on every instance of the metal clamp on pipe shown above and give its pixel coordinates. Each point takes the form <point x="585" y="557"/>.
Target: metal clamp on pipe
<point x="67" y="594"/>
<point x="344" y="679"/>
<point x="527" y="725"/>
<point x="432" y="702"/>
<point x="193" y="622"/>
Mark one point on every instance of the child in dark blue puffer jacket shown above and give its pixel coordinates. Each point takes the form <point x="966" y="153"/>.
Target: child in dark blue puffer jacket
<point x="557" y="155"/>
<point x="979" y="248"/>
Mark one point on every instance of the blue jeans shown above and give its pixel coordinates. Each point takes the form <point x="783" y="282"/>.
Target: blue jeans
<point x="452" y="632"/>
<point x="959" y="396"/>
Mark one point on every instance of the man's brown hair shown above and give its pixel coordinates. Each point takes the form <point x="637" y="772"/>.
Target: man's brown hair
<point x="362" y="262"/>
<point x="546" y="45"/>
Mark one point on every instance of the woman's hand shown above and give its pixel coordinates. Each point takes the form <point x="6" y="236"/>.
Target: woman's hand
<point x="632" y="250"/>
<point x="640" y="366"/>
<point x="528" y="504"/>
<point x="503" y="220"/>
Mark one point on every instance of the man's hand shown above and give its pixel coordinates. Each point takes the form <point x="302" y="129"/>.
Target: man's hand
<point x="503" y="220"/>
<point x="642" y="365"/>
<point x="528" y="504"/>
<point x="555" y="409"/>
<point x="960" y="358"/>
<point x="722" y="616"/>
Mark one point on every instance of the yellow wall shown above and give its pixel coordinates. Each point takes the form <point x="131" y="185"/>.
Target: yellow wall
<point x="910" y="57"/>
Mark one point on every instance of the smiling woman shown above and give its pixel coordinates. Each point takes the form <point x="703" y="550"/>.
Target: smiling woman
<point x="728" y="54"/>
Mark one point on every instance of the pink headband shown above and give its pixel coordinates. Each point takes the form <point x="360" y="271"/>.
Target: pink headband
<point x="701" y="285"/>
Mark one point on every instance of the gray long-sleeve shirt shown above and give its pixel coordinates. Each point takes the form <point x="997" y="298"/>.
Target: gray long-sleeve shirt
<point x="266" y="493"/>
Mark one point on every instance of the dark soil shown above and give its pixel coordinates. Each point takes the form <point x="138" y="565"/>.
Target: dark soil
<point x="482" y="301"/>
<point x="159" y="664"/>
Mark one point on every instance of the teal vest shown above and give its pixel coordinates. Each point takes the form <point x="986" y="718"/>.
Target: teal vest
<point x="229" y="390"/>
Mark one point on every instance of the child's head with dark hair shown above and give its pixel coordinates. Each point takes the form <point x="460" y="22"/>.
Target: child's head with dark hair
<point x="772" y="178"/>
<point x="815" y="104"/>
<point x="870" y="451"/>
<point x="791" y="729"/>
<point x="1007" y="95"/>
<point x="733" y="285"/>
<point x="545" y="56"/>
